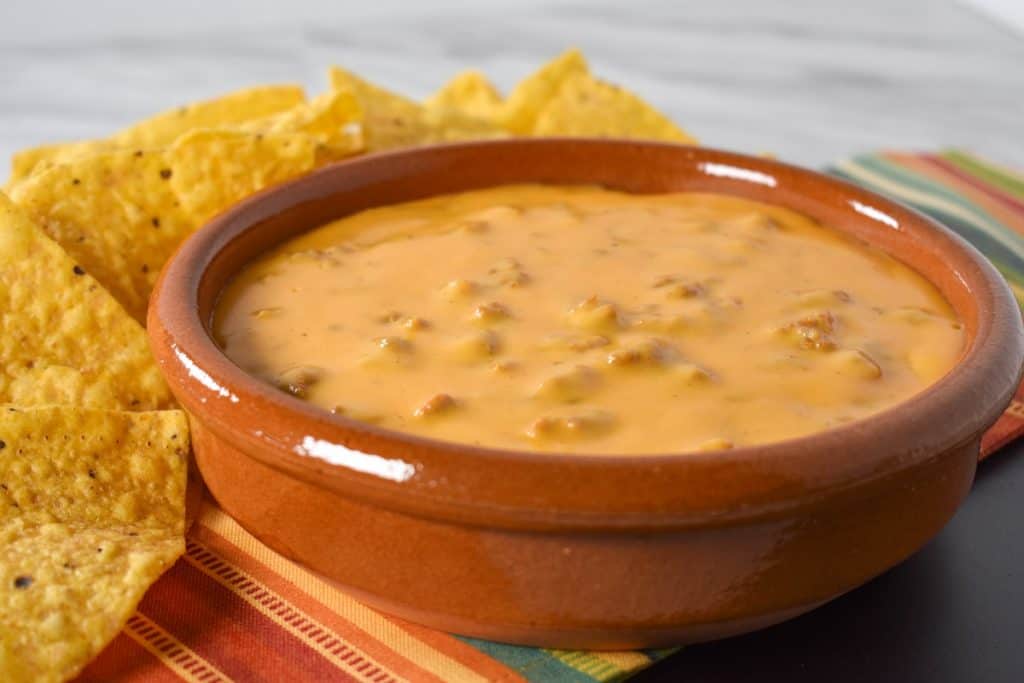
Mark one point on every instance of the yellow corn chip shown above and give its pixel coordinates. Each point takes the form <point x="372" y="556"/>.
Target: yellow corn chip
<point x="82" y="599"/>
<point x="533" y="93"/>
<point x="213" y="169"/>
<point x="389" y="120"/>
<point x="226" y="111"/>
<point x="63" y="338"/>
<point x="585" y="106"/>
<point x="92" y="511"/>
<point x="452" y="125"/>
<point x="470" y="93"/>
<point x="34" y="159"/>
<point x="333" y="120"/>
<point x="121" y="214"/>
<point x="161" y="130"/>
<point x="93" y="467"/>
<point x="116" y="214"/>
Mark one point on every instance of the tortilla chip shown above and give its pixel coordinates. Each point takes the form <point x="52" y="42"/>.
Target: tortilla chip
<point x="333" y="120"/>
<point x="586" y="106"/>
<point x="52" y="632"/>
<point x="122" y="214"/>
<point x="533" y="93"/>
<point x="393" y="121"/>
<point x="469" y="93"/>
<point x="225" y="111"/>
<point x="161" y="130"/>
<point x="63" y="338"/>
<point x="92" y="511"/>
<point x="95" y="468"/>
<point x="389" y="120"/>
<point x="213" y="169"/>
<point x="116" y="214"/>
<point x="29" y="161"/>
<point x="453" y="125"/>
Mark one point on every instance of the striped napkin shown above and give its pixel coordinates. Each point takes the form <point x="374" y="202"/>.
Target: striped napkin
<point x="982" y="201"/>
<point x="232" y="609"/>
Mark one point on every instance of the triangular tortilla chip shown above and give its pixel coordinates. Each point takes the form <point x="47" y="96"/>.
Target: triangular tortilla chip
<point x="122" y="214"/>
<point x="533" y="93"/>
<point x="226" y="111"/>
<point x="333" y="120"/>
<point x="116" y="214"/>
<point x="161" y="130"/>
<point x="393" y="121"/>
<point x="454" y="125"/>
<point x="91" y="513"/>
<point x="214" y="169"/>
<point x="63" y="338"/>
<point x="35" y="159"/>
<point x="470" y="93"/>
<point x="585" y="106"/>
<point x="389" y="120"/>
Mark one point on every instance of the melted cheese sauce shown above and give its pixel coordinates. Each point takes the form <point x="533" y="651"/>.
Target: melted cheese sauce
<point x="583" y="320"/>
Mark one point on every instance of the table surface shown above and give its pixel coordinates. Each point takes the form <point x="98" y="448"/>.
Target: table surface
<point x="810" y="81"/>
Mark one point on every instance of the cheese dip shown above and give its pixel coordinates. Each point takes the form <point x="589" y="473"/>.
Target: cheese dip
<point x="578" y="319"/>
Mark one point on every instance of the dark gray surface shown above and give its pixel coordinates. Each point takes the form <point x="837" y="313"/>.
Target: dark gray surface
<point x="953" y="612"/>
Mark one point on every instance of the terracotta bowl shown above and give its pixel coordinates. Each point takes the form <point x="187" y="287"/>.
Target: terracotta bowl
<point x="583" y="551"/>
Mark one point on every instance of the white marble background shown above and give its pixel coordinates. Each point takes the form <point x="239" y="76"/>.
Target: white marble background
<point x="810" y="80"/>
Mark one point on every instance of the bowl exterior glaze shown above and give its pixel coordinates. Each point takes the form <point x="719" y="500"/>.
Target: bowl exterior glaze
<point x="583" y="551"/>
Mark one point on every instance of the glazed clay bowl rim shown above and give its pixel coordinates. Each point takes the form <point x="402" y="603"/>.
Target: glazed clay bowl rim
<point x="531" y="490"/>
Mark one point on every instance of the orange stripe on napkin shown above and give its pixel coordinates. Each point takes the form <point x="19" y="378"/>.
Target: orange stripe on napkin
<point x="226" y="630"/>
<point x="938" y="171"/>
<point x="180" y="659"/>
<point x="1007" y="428"/>
<point x="425" y="654"/>
<point x="127" y="661"/>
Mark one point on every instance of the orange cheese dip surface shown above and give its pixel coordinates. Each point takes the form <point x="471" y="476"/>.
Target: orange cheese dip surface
<point x="578" y="319"/>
